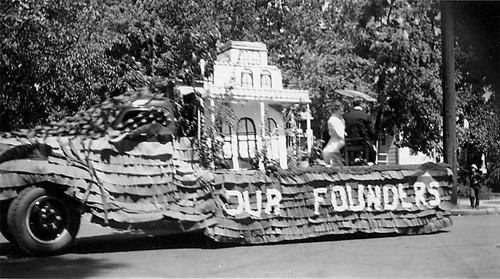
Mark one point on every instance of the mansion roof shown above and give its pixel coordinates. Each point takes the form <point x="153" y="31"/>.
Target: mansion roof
<point x="278" y="96"/>
<point x="242" y="70"/>
<point x="262" y="94"/>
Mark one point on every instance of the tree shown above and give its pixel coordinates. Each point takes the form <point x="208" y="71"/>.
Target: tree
<point x="388" y="49"/>
<point x="403" y="40"/>
<point x="58" y="57"/>
<point x="161" y="39"/>
<point x="50" y="65"/>
<point x="477" y="63"/>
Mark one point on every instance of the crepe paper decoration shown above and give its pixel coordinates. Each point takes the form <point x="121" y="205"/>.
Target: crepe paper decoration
<point x="152" y="185"/>
<point x="406" y="208"/>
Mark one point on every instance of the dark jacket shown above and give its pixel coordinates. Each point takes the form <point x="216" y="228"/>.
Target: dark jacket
<point x="475" y="179"/>
<point x="359" y="117"/>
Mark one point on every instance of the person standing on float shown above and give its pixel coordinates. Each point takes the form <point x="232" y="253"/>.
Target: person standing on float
<point x="336" y="130"/>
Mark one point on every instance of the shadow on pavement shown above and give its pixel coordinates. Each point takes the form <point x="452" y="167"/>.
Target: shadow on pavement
<point x="55" y="267"/>
<point x="8" y="250"/>
<point x="357" y="236"/>
<point x="78" y="261"/>
<point x="120" y="242"/>
<point x="197" y="240"/>
<point x="136" y="242"/>
<point x="124" y="242"/>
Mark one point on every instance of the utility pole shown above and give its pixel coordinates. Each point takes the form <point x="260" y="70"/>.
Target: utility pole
<point x="449" y="94"/>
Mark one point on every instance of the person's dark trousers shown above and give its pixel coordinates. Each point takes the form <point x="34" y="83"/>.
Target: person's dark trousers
<point x="474" y="197"/>
<point x="372" y="154"/>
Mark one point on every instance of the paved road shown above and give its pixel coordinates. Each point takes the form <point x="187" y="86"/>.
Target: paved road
<point x="468" y="249"/>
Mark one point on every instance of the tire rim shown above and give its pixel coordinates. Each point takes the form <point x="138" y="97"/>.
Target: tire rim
<point x="46" y="219"/>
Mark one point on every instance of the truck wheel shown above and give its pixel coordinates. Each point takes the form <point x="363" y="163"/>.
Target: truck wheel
<point x="43" y="222"/>
<point x="4" y="228"/>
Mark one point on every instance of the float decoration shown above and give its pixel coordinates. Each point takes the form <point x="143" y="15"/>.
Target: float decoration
<point x="298" y="205"/>
<point x="143" y="177"/>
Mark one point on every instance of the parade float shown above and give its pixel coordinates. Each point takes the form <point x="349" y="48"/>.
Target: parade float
<point x="122" y="163"/>
<point x="148" y="161"/>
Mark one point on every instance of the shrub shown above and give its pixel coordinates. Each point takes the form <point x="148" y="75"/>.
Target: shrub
<point x="493" y="180"/>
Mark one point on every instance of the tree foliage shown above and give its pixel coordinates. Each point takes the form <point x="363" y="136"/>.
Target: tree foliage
<point x="477" y="55"/>
<point x="50" y="64"/>
<point x="403" y="40"/>
<point x="389" y="49"/>
<point x="161" y="39"/>
<point x="58" y="57"/>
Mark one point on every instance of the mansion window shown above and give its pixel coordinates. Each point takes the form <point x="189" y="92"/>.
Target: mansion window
<point x="272" y="129"/>
<point x="265" y="80"/>
<point x="249" y="57"/>
<point x="247" y="78"/>
<point x="227" y="141"/>
<point x="289" y="135"/>
<point x="247" y="141"/>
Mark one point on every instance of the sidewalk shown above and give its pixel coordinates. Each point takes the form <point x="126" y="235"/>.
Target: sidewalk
<point x="491" y="206"/>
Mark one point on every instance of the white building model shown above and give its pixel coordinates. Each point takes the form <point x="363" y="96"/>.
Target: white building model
<point x="258" y="100"/>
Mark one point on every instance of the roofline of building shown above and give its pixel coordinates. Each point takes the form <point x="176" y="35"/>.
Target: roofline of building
<point x="257" y="46"/>
<point x="284" y="96"/>
<point x="262" y="94"/>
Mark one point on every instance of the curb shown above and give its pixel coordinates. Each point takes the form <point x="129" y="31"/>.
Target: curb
<point x="487" y="207"/>
<point x="482" y="211"/>
<point x="462" y="212"/>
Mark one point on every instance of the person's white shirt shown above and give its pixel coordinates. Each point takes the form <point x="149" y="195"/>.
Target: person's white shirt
<point x="336" y="128"/>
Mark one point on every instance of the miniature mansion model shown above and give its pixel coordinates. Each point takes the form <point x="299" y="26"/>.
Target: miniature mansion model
<point x="258" y="100"/>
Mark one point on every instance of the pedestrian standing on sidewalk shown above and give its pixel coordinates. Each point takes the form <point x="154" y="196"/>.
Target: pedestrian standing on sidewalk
<point x="475" y="184"/>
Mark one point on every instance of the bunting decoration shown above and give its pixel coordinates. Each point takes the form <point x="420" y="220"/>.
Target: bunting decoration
<point x="152" y="185"/>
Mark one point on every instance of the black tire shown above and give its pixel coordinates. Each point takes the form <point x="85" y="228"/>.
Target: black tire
<point x="43" y="222"/>
<point x="4" y="228"/>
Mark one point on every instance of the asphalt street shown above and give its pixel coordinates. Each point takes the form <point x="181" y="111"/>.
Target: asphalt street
<point x="468" y="249"/>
